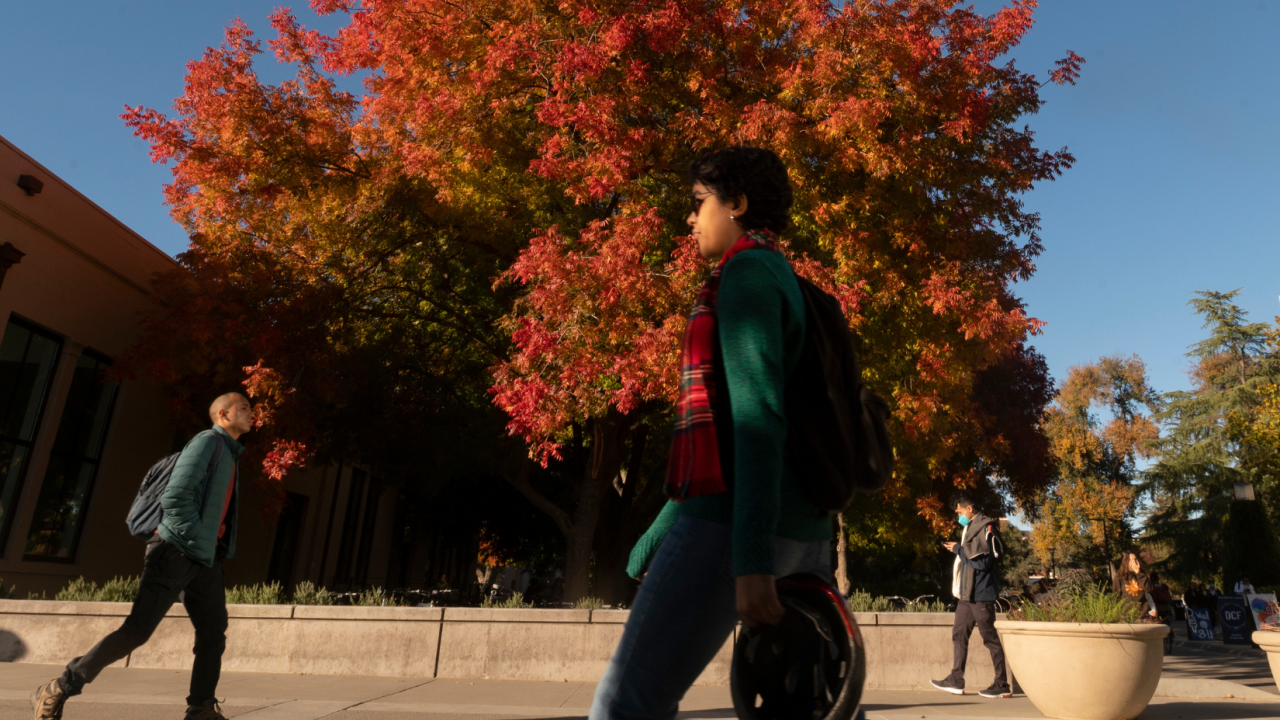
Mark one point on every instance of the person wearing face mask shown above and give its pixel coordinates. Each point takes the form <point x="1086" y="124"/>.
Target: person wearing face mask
<point x="976" y="585"/>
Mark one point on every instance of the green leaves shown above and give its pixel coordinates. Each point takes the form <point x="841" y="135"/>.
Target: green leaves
<point x="1208" y="442"/>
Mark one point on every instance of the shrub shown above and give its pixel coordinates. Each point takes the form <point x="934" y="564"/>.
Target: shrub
<point x="6" y="591"/>
<point x="306" y="593"/>
<point x="260" y="594"/>
<point x="863" y="601"/>
<point x="1077" y="600"/>
<point x="116" y="589"/>
<point x="923" y="607"/>
<point x="516" y="600"/>
<point x="589" y="603"/>
<point x="375" y="596"/>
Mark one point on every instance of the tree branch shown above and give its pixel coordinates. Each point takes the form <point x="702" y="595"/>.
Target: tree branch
<point x="520" y="481"/>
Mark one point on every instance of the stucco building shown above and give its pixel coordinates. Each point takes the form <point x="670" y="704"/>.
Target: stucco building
<point x="74" y="446"/>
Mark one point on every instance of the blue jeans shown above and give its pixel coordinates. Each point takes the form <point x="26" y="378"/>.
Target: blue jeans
<point x="685" y="610"/>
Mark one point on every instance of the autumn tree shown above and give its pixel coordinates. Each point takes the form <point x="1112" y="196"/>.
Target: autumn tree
<point x="353" y="303"/>
<point x="1099" y="426"/>
<point x="1215" y="436"/>
<point x="897" y="126"/>
<point x="508" y="191"/>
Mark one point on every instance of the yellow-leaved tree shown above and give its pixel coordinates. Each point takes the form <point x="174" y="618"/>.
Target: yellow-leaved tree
<point x="1098" y="427"/>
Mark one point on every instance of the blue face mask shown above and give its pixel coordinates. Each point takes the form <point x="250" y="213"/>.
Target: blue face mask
<point x="964" y="521"/>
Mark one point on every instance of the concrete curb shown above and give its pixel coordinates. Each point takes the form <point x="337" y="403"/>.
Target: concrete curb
<point x="1208" y="688"/>
<point x="904" y="650"/>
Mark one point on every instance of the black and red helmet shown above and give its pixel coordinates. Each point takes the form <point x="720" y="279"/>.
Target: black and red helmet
<point x="811" y="666"/>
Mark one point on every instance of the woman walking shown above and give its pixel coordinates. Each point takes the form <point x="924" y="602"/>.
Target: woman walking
<point x="1134" y="584"/>
<point x="737" y="519"/>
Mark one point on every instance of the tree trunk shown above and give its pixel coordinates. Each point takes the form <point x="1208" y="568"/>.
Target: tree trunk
<point x="609" y="437"/>
<point x="842" y="561"/>
<point x="616" y="532"/>
<point x="608" y="442"/>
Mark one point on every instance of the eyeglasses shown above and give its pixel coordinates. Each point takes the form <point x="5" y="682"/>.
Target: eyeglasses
<point x="697" y="199"/>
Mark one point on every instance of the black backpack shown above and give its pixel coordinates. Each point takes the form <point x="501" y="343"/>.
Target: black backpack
<point x="145" y="513"/>
<point x="836" y="431"/>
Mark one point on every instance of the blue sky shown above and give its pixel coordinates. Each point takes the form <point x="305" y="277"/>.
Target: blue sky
<point x="1175" y="125"/>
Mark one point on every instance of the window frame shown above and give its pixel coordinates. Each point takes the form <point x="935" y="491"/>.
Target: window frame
<point x="104" y="361"/>
<point x="7" y="523"/>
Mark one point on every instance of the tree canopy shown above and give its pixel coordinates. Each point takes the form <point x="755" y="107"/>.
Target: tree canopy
<point x="1099" y="426"/>
<point x="497" y="217"/>
<point x="1215" y="436"/>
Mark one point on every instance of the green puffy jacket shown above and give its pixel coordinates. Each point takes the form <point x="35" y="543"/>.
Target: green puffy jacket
<point x="193" y="500"/>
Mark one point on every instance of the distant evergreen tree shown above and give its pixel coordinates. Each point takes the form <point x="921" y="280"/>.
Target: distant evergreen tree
<point x="1201" y="456"/>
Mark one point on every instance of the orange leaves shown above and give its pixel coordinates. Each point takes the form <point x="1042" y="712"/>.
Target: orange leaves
<point x="930" y="507"/>
<point x="285" y="456"/>
<point x="1067" y="70"/>
<point x="1095" y="453"/>
<point x="545" y="145"/>
<point x="270" y="391"/>
<point x="598" y="328"/>
<point x="268" y="388"/>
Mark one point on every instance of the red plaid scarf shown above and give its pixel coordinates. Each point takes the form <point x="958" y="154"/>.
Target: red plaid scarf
<point x="693" y="467"/>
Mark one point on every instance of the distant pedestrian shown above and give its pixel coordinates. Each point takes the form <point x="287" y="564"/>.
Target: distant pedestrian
<point x="1134" y="584"/>
<point x="1244" y="586"/>
<point x="976" y="585"/>
<point x="197" y="534"/>
<point x="1162" y="595"/>
<point x="742" y="520"/>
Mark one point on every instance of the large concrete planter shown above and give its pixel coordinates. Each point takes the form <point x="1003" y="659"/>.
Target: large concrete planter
<point x="1079" y="671"/>
<point x="1269" y="640"/>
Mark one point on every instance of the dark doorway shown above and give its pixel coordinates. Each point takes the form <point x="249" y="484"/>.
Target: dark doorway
<point x="288" y="533"/>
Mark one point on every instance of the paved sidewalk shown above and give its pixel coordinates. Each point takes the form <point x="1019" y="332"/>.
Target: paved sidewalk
<point x="136" y="694"/>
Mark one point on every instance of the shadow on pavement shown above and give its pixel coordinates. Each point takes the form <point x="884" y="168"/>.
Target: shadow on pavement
<point x="11" y="647"/>
<point x="1210" y="710"/>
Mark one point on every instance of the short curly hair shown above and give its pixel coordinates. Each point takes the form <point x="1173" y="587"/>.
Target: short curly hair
<point x="755" y="173"/>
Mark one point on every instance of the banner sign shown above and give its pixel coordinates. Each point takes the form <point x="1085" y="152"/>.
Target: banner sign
<point x="1264" y="609"/>
<point x="1199" y="624"/>
<point x="1237" y="625"/>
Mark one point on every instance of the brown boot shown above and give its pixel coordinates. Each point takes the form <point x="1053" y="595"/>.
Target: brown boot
<point x="205" y="711"/>
<point x="48" y="700"/>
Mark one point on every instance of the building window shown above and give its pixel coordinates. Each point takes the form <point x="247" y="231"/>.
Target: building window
<point x="27" y="360"/>
<point x="73" y="463"/>
<point x="357" y="531"/>
<point x="288" y="536"/>
<point x="342" y="575"/>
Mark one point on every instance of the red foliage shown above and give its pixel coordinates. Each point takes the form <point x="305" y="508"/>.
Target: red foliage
<point x="543" y="145"/>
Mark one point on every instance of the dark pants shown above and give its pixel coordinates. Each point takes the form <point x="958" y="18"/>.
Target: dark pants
<point x="982" y="614"/>
<point x="166" y="575"/>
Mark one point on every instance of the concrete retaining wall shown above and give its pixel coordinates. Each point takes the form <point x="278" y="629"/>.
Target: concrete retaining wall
<point x="904" y="650"/>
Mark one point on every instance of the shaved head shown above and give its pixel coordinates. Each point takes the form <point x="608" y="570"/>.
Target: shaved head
<point x="224" y="402"/>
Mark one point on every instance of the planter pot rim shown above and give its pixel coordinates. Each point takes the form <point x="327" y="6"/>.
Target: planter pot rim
<point x="1104" y="630"/>
<point x="1268" y="639"/>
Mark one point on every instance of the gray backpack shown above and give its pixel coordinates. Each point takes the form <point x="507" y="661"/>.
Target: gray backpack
<point x="145" y="514"/>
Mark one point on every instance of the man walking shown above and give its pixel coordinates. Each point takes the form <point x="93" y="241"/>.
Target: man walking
<point x="976" y="584"/>
<point x="184" y="558"/>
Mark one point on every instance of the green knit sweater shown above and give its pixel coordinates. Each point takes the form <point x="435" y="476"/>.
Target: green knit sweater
<point x="760" y="320"/>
